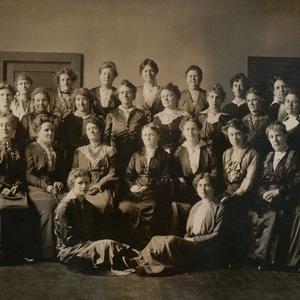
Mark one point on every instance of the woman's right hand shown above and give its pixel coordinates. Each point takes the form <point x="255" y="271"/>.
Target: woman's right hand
<point x="52" y="190"/>
<point x="182" y="183"/>
<point x="135" y="189"/>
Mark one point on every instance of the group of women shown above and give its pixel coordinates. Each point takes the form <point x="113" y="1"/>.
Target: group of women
<point x="160" y="180"/>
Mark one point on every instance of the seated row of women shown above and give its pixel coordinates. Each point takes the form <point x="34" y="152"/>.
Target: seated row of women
<point x="261" y="214"/>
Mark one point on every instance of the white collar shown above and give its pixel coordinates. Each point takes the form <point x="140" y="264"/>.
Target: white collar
<point x="239" y="104"/>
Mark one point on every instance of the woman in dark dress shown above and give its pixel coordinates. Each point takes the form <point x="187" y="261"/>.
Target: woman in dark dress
<point x="105" y="95"/>
<point x="275" y="205"/>
<point x="279" y="88"/>
<point x="292" y="119"/>
<point x="148" y="95"/>
<point x="194" y="156"/>
<point x="40" y="103"/>
<point x="62" y="103"/>
<point x="72" y="128"/>
<point x="13" y="197"/>
<point x="147" y="203"/>
<point x="100" y="160"/>
<point x="169" y="119"/>
<point x="193" y="100"/>
<point x="257" y="121"/>
<point x="213" y="120"/>
<point x="45" y="175"/>
<point x="239" y="170"/>
<point x="82" y="243"/>
<point x="238" y="108"/>
<point x="201" y="245"/>
<point x="123" y="126"/>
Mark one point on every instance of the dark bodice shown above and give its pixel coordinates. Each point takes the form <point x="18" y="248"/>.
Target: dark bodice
<point x="236" y="111"/>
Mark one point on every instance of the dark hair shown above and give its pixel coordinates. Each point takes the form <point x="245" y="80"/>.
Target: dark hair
<point x="211" y="178"/>
<point x="39" y="120"/>
<point x="240" y="77"/>
<point x="218" y="89"/>
<point x="173" y="88"/>
<point x="130" y="85"/>
<point x="75" y="173"/>
<point x="12" y="119"/>
<point x="40" y="90"/>
<point x="98" y="121"/>
<point x="293" y="92"/>
<point x="189" y="118"/>
<point x="195" y="68"/>
<point x="83" y="92"/>
<point x="256" y="92"/>
<point x="6" y="86"/>
<point x="237" y="124"/>
<point x="148" y="62"/>
<point x="23" y="76"/>
<point x="278" y="127"/>
<point x="110" y="65"/>
<point x="275" y="78"/>
<point x="67" y="71"/>
<point x="153" y="127"/>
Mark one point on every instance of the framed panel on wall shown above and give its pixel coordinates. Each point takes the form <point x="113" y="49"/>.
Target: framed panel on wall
<point x="41" y="66"/>
<point x="262" y="69"/>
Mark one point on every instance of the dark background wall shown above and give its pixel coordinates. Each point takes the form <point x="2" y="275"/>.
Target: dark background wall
<point x="218" y="35"/>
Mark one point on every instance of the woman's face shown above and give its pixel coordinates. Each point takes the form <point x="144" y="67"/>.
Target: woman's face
<point x="168" y="99"/>
<point x="7" y="130"/>
<point x="40" y="102"/>
<point x="150" y="137"/>
<point x="205" y="189"/>
<point x="93" y="132"/>
<point x="148" y="74"/>
<point x="280" y="89"/>
<point x="46" y="133"/>
<point x="81" y="186"/>
<point x="106" y="77"/>
<point x="23" y="86"/>
<point x="254" y="103"/>
<point x="292" y="105"/>
<point x="236" y="137"/>
<point x="192" y="79"/>
<point x="82" y="103"/>
<point x="6" y="98"/>
<point x="214" y="101"/>
<point x="238" y="88"/>
<point x="277" y="139"/>
<point x="191" y="131"/>
<point x="126" y="96"/>
<point x="65" y="82"/>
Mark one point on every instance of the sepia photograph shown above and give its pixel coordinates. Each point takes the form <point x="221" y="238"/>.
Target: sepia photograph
<point x="150" y="149"/>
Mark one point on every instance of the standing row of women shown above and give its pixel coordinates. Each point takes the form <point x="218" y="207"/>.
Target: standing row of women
<point x="144" y="164"/>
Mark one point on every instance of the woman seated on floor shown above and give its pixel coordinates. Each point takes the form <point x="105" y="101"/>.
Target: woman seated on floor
<point x="147" y="203"/>
<point x="201" y="245"/>
<point x="81" y="243"/>
<point x="45" y="169"/>
<point x="100" y="160"/>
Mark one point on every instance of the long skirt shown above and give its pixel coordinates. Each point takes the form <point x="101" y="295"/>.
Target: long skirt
<point x="147" y="214"/>
<point x="171" y="254"/>
<point x="44" y="205"/>
<point x="102" y="256"/>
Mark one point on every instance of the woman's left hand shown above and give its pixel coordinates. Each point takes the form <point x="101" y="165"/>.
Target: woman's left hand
<point x="58" y="185"/>
<point x="269" y="195"/>
<point x="94" y="189"/>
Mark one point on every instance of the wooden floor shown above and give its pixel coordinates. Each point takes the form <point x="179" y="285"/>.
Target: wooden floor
<point x="54" y="281"/>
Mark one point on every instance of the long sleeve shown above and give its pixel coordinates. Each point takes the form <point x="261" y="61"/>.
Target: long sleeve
<point x="108" y="129"/>
<point x="30" y="168"/>
<point x="250" y="174"/>
<point x="131" y="173"/>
